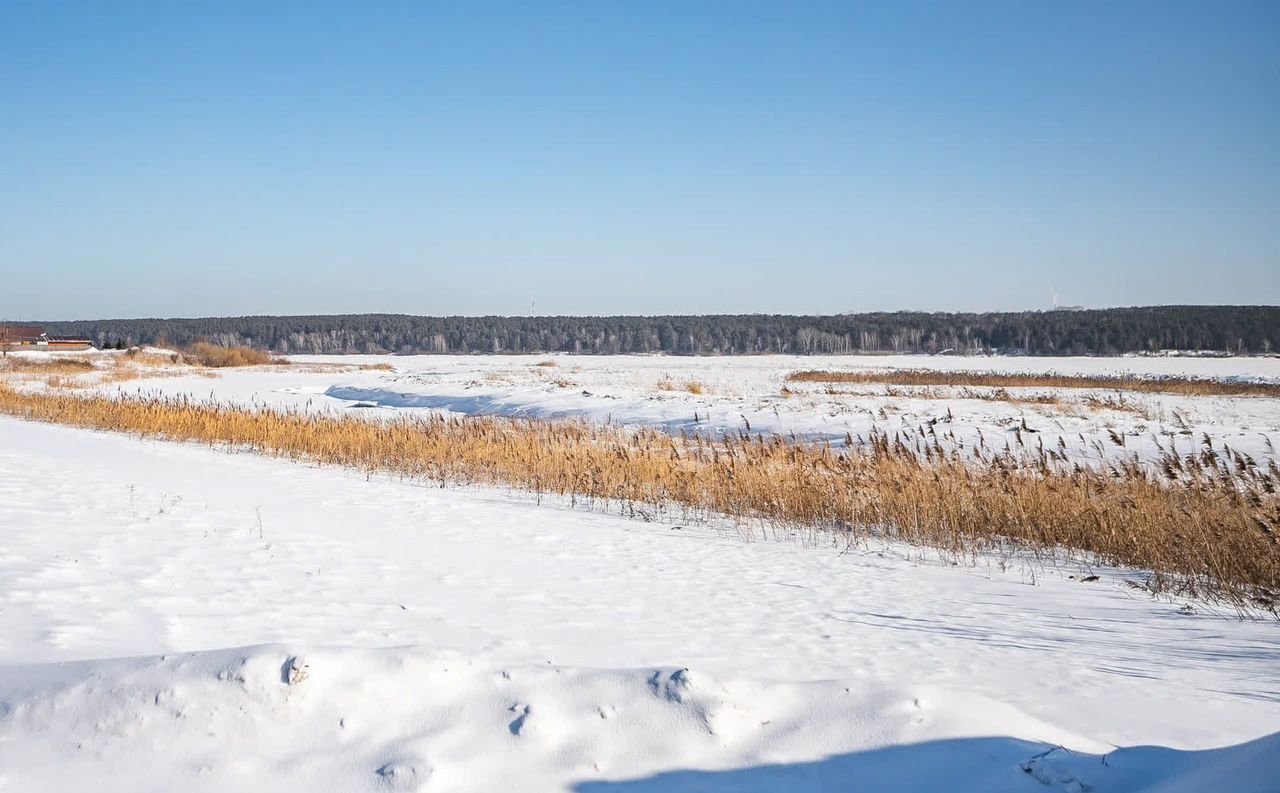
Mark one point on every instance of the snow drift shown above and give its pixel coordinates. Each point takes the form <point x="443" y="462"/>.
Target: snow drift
<point x="273" y="718"/>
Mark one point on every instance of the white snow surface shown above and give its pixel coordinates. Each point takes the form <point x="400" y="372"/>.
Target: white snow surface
<point x="174" y="617"/>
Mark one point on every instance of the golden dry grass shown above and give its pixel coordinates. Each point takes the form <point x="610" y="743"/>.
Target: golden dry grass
<point x="20" y="364"/>
<point x="212" y="355"/>
<point x="85" y="372"/>
<point x="1206" y="526"/>
<point x="1186" y="386"/>
<point x="691" y="386"/>
<point x="137" y="357"/>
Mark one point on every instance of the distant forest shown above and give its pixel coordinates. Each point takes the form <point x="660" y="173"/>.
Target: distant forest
<point x="1232" y="329"/>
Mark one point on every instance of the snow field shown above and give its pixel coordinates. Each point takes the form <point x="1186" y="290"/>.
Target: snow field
<point x="541" y="648"/>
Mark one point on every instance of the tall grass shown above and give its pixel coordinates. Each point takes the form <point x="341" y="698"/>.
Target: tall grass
<point x="1206" y="525"/>
<point x="19" y="364"/>
<point x="206" y="354"/>
<point x="1188" y="386"/>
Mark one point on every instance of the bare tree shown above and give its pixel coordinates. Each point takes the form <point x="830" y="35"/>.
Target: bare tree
<point x="7" y="337"/>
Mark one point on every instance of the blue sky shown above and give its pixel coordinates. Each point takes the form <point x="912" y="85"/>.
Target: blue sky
<point x="180" y="159"/>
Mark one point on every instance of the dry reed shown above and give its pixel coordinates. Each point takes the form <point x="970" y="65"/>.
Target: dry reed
<point x="1205" y="526"/>
<point x="1187" y="386"/>
<point x="993" y="395"/>
<point x="19" y="364"/>
<point x="212" y="355"/>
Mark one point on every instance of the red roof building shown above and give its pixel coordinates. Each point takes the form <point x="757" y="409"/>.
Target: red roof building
<point x="33" y="336"/>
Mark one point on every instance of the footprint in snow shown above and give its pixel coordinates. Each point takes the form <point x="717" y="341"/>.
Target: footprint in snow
<point x="404" y="775"/>
<point x="518" y="724"/>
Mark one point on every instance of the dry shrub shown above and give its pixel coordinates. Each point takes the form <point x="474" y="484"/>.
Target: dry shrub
<point x="1118" y="402"/>
<point x="1206" y="526"/>
<point x="547" y="364"/>
<point x="137" y="357"/>
<point x="692" y="386"/>
<point x="205" y="354"/>
<point x="1187" y="386"/>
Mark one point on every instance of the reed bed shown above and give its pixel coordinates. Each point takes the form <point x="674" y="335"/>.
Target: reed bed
<point x="1204" y="526"/>
<point x="213" y="355"/>
<point x="1186" y="386"/>
<point x="20" y="364"/>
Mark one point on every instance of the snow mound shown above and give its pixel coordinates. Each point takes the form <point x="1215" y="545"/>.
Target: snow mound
<point x="272" y="718"/>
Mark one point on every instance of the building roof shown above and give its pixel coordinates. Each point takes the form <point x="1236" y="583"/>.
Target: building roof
<point x="21" y="332"/>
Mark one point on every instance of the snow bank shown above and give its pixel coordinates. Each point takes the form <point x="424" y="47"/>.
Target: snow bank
<point x="111" y="547"/>
<point x="269" y="718"/>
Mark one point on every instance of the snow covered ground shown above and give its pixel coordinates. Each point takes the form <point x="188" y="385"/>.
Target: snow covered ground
<point x="179" y="618"/>
<point x="741" y="392"/>
<point x="582" y="620"/>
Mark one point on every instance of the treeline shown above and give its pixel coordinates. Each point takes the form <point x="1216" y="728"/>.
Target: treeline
<point x="1231" y="329"/>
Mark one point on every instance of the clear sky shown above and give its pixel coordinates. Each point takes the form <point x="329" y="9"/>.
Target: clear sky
<point x="188" y="158"/>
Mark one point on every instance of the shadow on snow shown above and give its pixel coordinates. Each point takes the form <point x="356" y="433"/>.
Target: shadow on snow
<point x="989" y="765"/>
